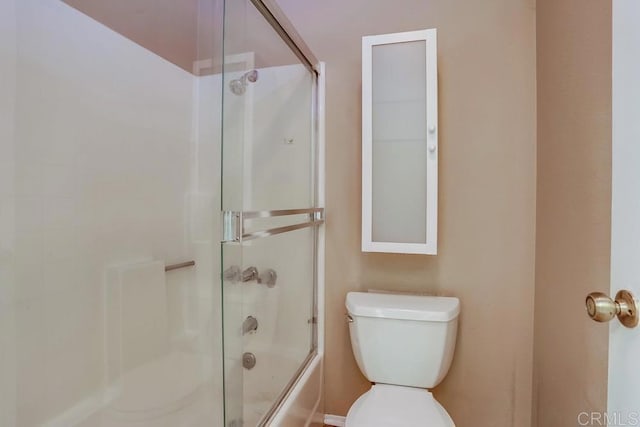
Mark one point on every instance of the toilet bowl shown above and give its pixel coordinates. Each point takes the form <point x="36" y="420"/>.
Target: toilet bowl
<point x="397" y="406"/>
<point x="403" y="344"/>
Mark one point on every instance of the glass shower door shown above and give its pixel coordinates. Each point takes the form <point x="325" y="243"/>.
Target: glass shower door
<point x="269" y="214"/>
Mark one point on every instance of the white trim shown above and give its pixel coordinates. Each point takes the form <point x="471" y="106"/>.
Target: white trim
<point x="320" y="288"/>
<point x="432" y="139"/>
<point x="431" y="238"/>
<point x="367" y="140"/>
<point x="334" y="420"/>
<point x="624" y="344"/>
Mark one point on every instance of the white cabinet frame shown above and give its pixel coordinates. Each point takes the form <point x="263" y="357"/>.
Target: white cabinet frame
<point x="431" y="160"/>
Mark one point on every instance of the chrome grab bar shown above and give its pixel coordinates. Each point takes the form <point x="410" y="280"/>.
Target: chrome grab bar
<point x="280" y="212"/>
<point x="234" y="226"/>
<point x="179" y="265"/>
<point x="279" y="230"/>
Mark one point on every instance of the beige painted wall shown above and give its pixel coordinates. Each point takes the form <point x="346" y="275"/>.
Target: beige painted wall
<point x="165" y="27"/>
<point x="184" y="31"/>
<point x="487" y="89"/>
<point x="573" y="206"/>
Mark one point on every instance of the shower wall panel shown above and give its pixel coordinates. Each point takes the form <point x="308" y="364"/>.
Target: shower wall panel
<point x="104" y="162"/>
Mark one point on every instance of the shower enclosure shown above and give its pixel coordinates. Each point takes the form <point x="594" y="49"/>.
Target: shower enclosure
<point x="160" y="215"/>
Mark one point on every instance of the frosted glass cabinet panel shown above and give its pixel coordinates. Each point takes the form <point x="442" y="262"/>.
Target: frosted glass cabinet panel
<point x="399" y="143"/>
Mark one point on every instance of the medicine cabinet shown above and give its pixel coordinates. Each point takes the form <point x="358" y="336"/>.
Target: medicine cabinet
<point x="400" y="143"/>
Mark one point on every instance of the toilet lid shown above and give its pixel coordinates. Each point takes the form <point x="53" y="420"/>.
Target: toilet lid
<point x="397" y="406"/>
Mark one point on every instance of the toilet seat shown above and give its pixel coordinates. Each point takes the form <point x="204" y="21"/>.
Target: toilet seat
<point x="397" y="406"/>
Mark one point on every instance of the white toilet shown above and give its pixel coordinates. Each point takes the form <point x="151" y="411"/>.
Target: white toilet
<point x="403" y="344"/>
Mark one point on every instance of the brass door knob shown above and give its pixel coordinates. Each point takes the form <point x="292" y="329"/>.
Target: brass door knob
<point x="601" y="308"/>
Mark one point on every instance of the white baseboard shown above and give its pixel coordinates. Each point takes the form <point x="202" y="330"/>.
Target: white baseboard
<point x="334" y="420"/>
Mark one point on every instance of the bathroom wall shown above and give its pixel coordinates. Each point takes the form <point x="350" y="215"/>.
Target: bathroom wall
<point x="573" y="206"/>
<point x="165" y="27"/>
<point x="486" y="56"/>
<point x="96" y="171"/>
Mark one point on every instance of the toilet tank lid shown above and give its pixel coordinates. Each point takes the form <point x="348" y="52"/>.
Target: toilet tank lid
<point x="403" y="307"/>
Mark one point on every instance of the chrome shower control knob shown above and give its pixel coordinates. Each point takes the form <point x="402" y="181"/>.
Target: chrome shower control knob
<point x="248" y="360"/>
<point x="250" y="324"/>
<point x="268" y="277"/>
<point x="601" y="308"/>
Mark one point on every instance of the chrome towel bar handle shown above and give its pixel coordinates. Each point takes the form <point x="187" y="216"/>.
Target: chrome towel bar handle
<point x="171" y="267"/>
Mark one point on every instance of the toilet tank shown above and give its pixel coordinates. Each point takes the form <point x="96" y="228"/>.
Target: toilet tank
<point x="403" y="340"/>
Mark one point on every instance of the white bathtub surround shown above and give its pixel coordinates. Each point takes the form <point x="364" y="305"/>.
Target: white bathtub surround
<point x="100" y="154"/>
<point x="136" y="313"/>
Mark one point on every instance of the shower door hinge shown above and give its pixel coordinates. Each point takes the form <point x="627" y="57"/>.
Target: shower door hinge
<point x="231" y="226"/>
